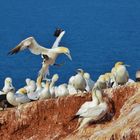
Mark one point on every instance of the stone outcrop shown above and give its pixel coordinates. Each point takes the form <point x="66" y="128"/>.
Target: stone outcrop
<point x="51" y="119"/>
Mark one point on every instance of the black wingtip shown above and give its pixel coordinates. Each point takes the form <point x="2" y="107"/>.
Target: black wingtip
<point x="58" y="31"/>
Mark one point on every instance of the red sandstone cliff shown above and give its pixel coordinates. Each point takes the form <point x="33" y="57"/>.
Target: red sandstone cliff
<point x="50" y="119"/>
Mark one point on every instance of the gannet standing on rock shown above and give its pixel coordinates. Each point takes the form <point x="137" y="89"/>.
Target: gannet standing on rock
<point x="92" y="111"/>
<point x="138" y="76"/>
<point x="17" y="98"/>
<point x="49" y="55"/>
<point x="7" y="86"/>
<point x="79" y="81"/>
<point x="120" y="73"/>
<point x="89" y="83"/>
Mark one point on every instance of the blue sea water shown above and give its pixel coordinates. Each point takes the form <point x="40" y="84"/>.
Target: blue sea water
<point x="98" y="33"/>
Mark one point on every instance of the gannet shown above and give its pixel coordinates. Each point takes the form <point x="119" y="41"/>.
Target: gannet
<point x="17" y="98"/>
<point x="61" y="90"/>
<point x="7" y="86"/>
<point x="79" y="81"/>
<point x="45" y="93"/>
<point x="52" y="85"/>
<point x="94" y="112"/>
<point x="49" y="55"/>
<point x="137" y="76"/>
<point x="120" y="73"/>
<point x="89" y="82"/>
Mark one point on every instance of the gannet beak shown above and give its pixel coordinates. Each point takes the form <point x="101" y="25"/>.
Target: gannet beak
<point x="69" y="56"/>
<point x="127" y="65"/>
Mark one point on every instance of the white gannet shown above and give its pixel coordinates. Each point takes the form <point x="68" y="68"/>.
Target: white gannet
<point x="52" y="85"/>
<point x="7" y="86"/>
<point x="49" y="55"/>
<point x="89" y="82"/>
<point x="137" y="76"/>
<point x="61" y="90"/>
<point x="79" y="81"/>
<point x="45" y="93"/>
<point x="120" y="73"/>
<point x="20" y="97"/>
<point x="92" y="113"/>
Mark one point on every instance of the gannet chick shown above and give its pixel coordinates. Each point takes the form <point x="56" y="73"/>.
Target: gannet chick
<point x="61" y="90"/>
<point x="79" y="81"/>
<point x="45" y="93"/>
<point x="89" y="83"/>
<point x="7" y="86"/>
<point x="52" y="85"/>
<point x="49" y="55"/>
<point x="137" y="76"/>
<point x="95" y="113"/>
<point x="120" y="73"/>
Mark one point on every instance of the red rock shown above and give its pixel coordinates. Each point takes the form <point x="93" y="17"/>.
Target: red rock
<point x="50" y="119"/>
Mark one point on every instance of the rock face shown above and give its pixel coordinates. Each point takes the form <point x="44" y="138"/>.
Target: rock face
<point x="50" y="119"/>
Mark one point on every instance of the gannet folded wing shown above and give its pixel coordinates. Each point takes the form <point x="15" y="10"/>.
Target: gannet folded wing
<point x="31" y="44"/>
<point x="96" y="112"/>
<point x="21" y="98"/>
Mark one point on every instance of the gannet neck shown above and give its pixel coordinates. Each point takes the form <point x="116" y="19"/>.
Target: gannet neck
<point x="39" y="80"/>
<point x="47" y="84"/>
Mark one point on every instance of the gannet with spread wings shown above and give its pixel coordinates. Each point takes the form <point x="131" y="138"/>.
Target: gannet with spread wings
<point x="49" y="55"/>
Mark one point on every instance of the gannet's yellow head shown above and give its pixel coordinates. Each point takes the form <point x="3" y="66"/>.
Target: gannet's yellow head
<point x="64" y="50"/>
<point x="55" y="77"/>
<point x="8" y="81"/>
<point x="22" y="91"/>
<point x="119" y="63"/>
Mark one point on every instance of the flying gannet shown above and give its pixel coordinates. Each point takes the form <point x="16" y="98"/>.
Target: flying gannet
<point x="49" y="54"/>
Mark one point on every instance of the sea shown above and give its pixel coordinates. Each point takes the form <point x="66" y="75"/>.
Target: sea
<point x="98" y="33"/>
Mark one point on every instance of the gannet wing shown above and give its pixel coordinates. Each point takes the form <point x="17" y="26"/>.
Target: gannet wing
<point x="85" y="107"/>
<point x="22" y="98"/>
<point x="58" y="39"/>
<point x="92" y="112"/>
<point x="31" y="44"/>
